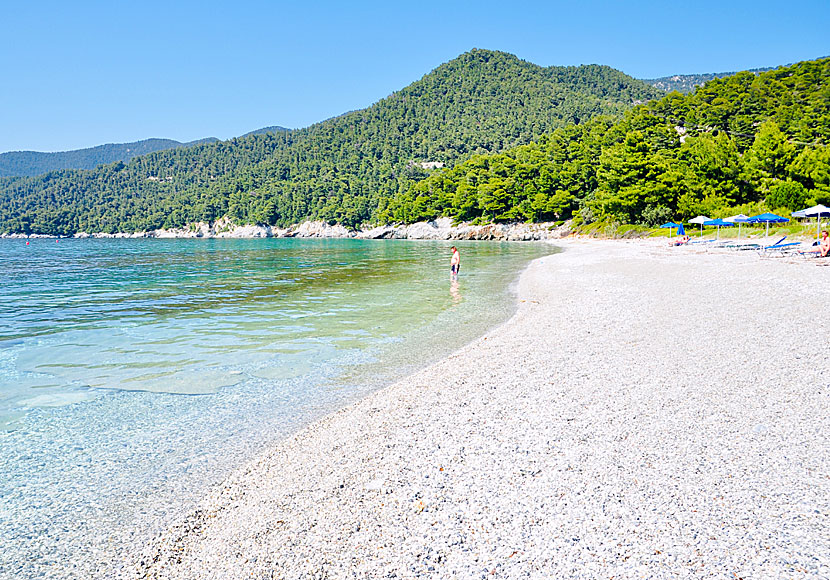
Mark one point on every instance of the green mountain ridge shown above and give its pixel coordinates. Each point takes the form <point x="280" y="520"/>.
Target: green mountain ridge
<point x="345" y="169"/>
<point x="265" y="131"/>
<point x="31" y="163"/>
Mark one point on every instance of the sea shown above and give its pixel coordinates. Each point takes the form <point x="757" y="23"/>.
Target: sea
<point x="135" y="374"/>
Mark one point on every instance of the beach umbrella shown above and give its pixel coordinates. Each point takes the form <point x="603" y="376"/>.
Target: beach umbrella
<point x="699" y="220"/>
<point x="767" y="218"/>
<point x="819" y="211"/>
<point x="680" y="230"/>
<point x="719" y="223"/>
<point x="670" y="225"/>
<point x="737" y="219"/>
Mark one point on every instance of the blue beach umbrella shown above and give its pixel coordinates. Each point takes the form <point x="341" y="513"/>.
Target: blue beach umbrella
<point x="767" y="218"/>
<point x="681" y="231"/>
<point x="719" y="223"/>
<point x="671" y="225"/>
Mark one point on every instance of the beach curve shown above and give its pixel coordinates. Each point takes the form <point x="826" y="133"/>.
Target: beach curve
<point x="647" y="412"/>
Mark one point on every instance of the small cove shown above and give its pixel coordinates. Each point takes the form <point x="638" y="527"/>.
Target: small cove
<point x="135" y="374"/>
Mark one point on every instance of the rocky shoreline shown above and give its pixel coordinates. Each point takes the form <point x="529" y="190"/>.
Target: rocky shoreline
<point x="440" y="229"/>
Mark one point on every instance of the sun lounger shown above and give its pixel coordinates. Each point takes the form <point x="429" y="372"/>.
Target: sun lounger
<point x="776" y="244"/>
<point x="741" y="246"/>
<point x="812" y="252"/>
<point x="789" y="246"/>
<point x="779" y="247"/>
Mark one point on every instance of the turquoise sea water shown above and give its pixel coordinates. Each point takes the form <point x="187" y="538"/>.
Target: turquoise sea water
<point x="134" y="374"/>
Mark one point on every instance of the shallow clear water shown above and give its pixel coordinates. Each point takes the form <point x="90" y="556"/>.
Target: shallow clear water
<point x="134" y="374"/>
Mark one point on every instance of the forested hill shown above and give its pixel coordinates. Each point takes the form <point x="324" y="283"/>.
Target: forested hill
<point x="342" y="170"/>
<point x="744" y="144"/>
<point x="23" y="163"/>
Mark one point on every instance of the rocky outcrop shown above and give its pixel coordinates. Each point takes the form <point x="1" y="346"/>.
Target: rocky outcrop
<point x="318" y="229"/>
<point x="84" y="235"/>
<point x="250" y="231"/>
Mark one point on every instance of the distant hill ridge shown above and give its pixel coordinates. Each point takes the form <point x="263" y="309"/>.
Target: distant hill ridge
<point x="265" y="131"/>
<point x="687" y="83"/>
<point x="31" y="163"/>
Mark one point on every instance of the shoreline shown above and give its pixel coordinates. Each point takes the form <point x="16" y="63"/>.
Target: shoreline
<point x="582" y="437"/>
<point x="439" y="229"/>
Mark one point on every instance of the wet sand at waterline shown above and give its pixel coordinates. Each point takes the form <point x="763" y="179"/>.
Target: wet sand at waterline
<point x="648" y="412"/>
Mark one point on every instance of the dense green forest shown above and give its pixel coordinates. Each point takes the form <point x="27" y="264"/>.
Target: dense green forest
<point x="744" y="143"/>
<point x="22" y="163"/>
<point x="342" y="170"/>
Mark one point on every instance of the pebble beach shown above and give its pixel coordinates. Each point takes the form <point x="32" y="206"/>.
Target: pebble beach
<point x="648" y="412"/>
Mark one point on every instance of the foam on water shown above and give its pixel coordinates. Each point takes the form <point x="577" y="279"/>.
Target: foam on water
<point x="134" y="374"/>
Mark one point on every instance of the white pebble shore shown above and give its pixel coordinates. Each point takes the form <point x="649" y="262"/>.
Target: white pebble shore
<point x="649" y="412"/>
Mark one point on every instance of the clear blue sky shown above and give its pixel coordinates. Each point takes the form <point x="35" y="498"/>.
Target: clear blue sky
<point x="82" y="73"/>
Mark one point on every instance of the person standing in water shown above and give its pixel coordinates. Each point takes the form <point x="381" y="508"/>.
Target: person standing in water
<point x="455" y="263"/>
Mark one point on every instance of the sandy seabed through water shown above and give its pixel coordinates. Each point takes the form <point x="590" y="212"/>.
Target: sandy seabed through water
<point x="649" y="412"/>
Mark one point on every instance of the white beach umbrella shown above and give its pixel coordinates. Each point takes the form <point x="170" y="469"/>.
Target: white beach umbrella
<point x="817" y="211"/>
<point x="699" y="220"/>
<point x="737" y="219"/>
